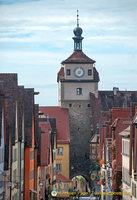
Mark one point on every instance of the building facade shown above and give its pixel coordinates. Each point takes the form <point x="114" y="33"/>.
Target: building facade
<point x="126" y="180"/>
<point x="61" y="153"/>
<point x="2" y="142"/>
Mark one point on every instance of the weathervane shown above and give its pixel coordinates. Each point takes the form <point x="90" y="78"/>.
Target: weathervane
<point x="77" y="18"/>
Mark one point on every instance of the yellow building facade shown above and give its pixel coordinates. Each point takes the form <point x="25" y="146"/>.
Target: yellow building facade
<point x="62" y="159"/>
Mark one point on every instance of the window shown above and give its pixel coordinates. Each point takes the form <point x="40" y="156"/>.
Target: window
<point x="60" y="151"/>
<point x="134" y="189"/>
<point x="58" y="167"/>
<point x="79" y="91"/>
<point x="125" y="147"/>
<point x="15" y="155"/>
<point x="54" y="155"/>
<point x="68" y="72"/>
<point x="89" y="72"/>
<point x="65" y="186"/>
<point x="2" y="155"/>
<point x="125" y="176"/>
<point x="70" y="105"/>
<point x="22" y="154"/>
<point x="14" y="175"/>
<point x="59" y="186"/>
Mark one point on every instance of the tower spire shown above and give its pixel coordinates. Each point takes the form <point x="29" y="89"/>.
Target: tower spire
<point x="77" y="18"/>
<point x="77" y="38"/>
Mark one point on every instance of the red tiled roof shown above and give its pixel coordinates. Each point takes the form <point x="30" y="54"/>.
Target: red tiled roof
<point x="62" y="121"/>
<point x="119" y="113"/>
<point x="60" y="177"/>
<point x="119" y="124"/>
<point x="126" y="132"/>
<point x="60" y="74"/>
<point x="78" y="57"/>
<point x="45" y="142"/>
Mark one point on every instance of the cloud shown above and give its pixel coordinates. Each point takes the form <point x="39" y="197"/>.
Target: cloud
<point x="36" y="35"/>
<point x="10" y="2"/>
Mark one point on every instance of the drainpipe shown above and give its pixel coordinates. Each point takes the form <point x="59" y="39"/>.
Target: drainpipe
<point x="135" y="148"/>
<point x="131" y="145"/>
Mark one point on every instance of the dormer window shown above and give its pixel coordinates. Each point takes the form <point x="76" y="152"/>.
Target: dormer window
<point x="79" y="91"/>
<point x="89" y="72"/>
<point x="68" y="72"/>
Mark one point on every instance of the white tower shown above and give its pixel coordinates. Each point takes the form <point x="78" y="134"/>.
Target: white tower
<point x="76" y="79"/>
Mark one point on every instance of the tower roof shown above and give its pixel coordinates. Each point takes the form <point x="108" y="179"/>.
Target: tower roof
<point x="78" y="57"/>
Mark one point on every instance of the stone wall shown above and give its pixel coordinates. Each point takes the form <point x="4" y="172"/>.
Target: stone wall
<point x="81" y="131"/>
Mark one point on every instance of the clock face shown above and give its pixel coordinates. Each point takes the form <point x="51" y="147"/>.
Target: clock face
<point x="79" y="72"/>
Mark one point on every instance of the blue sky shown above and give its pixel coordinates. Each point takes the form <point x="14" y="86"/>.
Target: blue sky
<point x="36" y="35"/>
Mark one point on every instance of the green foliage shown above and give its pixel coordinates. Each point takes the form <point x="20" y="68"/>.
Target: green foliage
<point x="81" y="179"/>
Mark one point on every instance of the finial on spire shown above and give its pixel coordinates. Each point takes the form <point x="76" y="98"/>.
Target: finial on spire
<point x="77" y="38"/>
<point x="77" y="18"/>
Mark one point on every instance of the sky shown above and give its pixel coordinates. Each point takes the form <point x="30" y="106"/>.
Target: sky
<point x="36" y="36"/>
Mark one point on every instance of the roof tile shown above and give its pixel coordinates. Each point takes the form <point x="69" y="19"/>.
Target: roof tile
<point x="60" y="177"/>
<point x="45" y="142"/>
<point x="78" y="57"/>
<point x="62" y="122"/>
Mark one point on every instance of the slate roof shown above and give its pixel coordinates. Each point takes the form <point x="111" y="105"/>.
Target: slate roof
<point x="20" y="110"/>
<point x="10" y="89"/>
<point x="1" y="107"/>
<point x="28" y="116"/>
<point x="78" y="57"/>
<point x="121" y="99"/>
<point x="62" y="122"/>
<point x="36" y="125"/>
